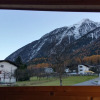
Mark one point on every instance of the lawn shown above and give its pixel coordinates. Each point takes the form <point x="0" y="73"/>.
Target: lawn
<point x="67" y="81"/>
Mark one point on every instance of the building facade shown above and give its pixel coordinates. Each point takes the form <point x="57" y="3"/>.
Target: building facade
<point x="48" y="70"/>
<point x="7" y="70"/>
<point x="82" y="69"/>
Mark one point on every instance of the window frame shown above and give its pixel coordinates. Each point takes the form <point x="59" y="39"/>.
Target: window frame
<point x="71" y="5"/>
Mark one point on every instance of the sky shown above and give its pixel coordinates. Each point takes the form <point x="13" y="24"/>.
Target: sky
<point x="18" y="28"/>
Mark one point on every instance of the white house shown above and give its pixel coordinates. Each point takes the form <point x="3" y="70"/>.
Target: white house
<point x="48" y="70"/>
<point x="67" y="70"/>
<point x="82" y="69"/>
<point x="7" y="70"/>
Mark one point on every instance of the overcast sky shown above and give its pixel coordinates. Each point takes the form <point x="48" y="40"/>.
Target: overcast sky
<point x="18" y="28"/>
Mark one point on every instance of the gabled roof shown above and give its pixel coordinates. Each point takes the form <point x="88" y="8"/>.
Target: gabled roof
<point x="85" y="65"/>
<point x="89" y="66"/>
<point x="9" y="62"/>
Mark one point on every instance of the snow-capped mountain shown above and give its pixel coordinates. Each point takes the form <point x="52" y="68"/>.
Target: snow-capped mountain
<point x="62" y="37"/>
<point x="89" y="39"/>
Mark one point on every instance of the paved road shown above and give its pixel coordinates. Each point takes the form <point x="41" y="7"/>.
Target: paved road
<point x="92" y="82"/>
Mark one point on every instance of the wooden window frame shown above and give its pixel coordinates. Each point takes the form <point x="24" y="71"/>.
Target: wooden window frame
<point x="90" y="92"/>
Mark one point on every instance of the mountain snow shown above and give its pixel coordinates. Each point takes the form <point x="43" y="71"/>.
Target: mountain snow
<point x="57" y="37"/>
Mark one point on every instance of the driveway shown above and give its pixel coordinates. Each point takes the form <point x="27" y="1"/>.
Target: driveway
<point x="92" y="82"/>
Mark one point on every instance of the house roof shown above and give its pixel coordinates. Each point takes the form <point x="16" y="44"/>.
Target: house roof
<point x="9" y="62"/>
<point x="86" y="65"/>
<point x="89" y="66"/>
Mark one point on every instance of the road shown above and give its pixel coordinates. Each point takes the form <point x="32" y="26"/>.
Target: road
<point x="92" y="82"/>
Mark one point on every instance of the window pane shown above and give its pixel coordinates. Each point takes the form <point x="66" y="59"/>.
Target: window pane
<point x="42" y="48"/>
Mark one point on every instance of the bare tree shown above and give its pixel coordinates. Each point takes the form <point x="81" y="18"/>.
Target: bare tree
<point x="4" y="75"/>
<point x="11" y="75"/>
<point x="7" y="75"/>
<point x="57" y="63"/>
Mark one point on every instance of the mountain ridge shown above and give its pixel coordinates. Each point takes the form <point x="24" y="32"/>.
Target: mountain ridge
<point x="61" y="37"/>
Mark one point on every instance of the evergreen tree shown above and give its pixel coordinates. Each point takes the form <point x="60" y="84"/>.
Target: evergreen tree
<point x="22" y="73"/>
<point x="18" y="61"/>
<point x="20" y="64"/>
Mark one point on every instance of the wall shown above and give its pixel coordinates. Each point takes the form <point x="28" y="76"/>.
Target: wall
<point x="7" y="66"/>
<point x="84" y="68"/>
<point x="7" y="70"/>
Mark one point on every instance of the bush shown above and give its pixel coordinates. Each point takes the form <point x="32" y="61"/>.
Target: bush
<point x="22" y="75"/>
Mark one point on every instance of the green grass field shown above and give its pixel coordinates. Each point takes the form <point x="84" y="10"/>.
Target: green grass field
<point x="67" y="81"/>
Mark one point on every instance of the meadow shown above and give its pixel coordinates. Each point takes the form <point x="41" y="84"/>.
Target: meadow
<point x="67" y="81"/>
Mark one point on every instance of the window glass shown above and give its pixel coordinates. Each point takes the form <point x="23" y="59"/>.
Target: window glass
<point x="2" y="66"/>
<point x="46" y="48"/>
<point x="80" y="66"/>
<point x="81" y="70"/>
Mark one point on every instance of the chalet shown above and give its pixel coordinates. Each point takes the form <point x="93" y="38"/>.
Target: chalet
<point x="67" y="70"/>
<point x="82" y="69"/>
<point x="7" y="69"/>
<point x="48" y="70"/>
